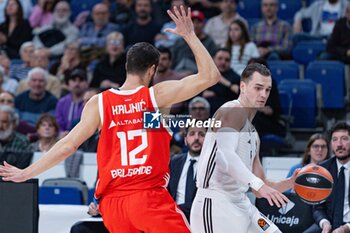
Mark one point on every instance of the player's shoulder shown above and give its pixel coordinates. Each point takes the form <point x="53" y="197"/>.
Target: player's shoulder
<point x="232" y="114"/>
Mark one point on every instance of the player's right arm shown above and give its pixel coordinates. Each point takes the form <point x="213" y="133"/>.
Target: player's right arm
<point x="227" y="138"/>
<point x="89" y="123"/>
<point x="171" y="92"/>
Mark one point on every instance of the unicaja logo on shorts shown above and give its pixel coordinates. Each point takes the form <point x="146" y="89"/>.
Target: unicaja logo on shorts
<point x="151" y="120"/>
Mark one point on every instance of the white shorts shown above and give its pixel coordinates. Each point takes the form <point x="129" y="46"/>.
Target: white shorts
<point x="214" y="212"/>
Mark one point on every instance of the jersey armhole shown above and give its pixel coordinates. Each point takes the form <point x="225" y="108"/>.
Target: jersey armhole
<point x="154" y="103"/>
<point x="100" y="107"/>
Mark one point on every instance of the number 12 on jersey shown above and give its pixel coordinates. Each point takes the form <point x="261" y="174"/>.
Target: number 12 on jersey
<point x="124" y="137"/>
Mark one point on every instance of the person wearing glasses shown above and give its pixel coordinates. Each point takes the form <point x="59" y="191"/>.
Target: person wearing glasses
<point x="317" y="150"/>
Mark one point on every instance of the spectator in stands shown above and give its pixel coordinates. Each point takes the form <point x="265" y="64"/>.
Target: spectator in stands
<point x="338" y="45"/>
<point x="272" y="35"/>
<point x="68" y="62"/>
<point x="20" y="71"/>
<point x="165" y="73"/>
<point x="183" y="59"/>
<point x="323" y="15"/>
<point x="167" y="39"/>
<point x="15" y="30"/>
<point x="8" y="83"/>
<point x="47" y="130"/>
<point x="183" y="168"/>
<point x="58" y="33"/>
<point x="122" y="14"/>
<point x="228" y="86"/>
<point x="110" y="71"/>
<point x="93" y="34"/>
<point x="69" y="107"/>
<point x="72" y="164"/>
<point x="242" y="49"/>
<point x="8" y="99"/>
<point x="199" y="108"/>
<point x="210" y="8"/>
<point x="333" y="214"/>
<point x="40" y="58"/>
<point x="143" y="28"/>
<point x="42" y="13"/>
<point x="217" y="27"/>
<point x="317" y="150"/>
<point x="13" y="146"/>
<point x="36" y="101"/>
<point x="26" y="6"/>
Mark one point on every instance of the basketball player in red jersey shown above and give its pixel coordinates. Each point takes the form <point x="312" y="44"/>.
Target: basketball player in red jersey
<point x="133" y="161"/>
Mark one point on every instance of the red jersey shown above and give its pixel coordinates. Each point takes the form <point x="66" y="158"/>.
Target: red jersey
<point x="130" y="157"/>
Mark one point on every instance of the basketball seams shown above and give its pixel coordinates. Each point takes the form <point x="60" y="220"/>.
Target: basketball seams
<point x="319" y="174"/>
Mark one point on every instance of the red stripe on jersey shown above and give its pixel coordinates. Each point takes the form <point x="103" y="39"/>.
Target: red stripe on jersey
<point x="129" y="157"/>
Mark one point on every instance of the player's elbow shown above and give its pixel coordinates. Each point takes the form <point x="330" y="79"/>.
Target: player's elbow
<point x="67" y="148"/>
<point x="215" y="76"/>
<point x="211" y="77"/>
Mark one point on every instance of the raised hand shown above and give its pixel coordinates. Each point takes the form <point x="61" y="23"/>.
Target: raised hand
<point x="273" y="196"/>
<point x="11" y="173"/>
<point x="183" y="21"/>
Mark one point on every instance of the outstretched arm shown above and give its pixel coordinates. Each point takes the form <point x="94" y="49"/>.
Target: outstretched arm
<point x="88" y="124"/>
<point x="282" y="185"/>
<point x="170" y="92"/>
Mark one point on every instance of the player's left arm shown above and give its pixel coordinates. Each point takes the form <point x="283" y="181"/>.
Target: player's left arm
<point x="88" y="124"/>
<point x="282" y="185"/>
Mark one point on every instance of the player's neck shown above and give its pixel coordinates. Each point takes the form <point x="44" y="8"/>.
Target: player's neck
<point x="250" y="111"/>
<point x="133" y="81"/>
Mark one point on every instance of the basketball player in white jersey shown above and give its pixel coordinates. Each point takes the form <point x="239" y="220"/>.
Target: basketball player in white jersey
<point x="229" y="165"/>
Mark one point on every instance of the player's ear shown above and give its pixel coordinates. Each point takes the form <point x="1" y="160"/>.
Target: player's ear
<point x="242" y="86"/>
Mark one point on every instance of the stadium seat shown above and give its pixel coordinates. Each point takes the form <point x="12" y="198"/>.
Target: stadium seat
<point x="69" y="183"/>
<point x="249" y="8"/>
<point x="91" y="195"/>
<point x="284" y="70"/>
<point x="60" y="195"/>
<point x="307" y="51"/>
<point x="309" y="2"/>
<point x="331" y="76"/>
<point x="288" y="8"/>
<point x="303" y="102"/>
<point x="78" y="6"/>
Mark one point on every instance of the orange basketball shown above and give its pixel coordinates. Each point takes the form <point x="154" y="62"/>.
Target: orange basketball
<point x="313" y="184"/>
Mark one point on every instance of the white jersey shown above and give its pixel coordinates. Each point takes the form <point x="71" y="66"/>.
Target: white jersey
<point x="210" y="176"/>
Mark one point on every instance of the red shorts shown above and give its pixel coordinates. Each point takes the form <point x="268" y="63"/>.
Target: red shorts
<point x="149" y="211"/>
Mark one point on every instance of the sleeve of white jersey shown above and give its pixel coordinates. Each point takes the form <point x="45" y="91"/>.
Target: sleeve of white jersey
<point x="228" y="160"/>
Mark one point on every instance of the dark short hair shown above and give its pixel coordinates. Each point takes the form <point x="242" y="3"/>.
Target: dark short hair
<point x="165" y="50"/>
<point x="77" y="73"/>
<point x="252" y="68"/>
<point x="223" y="49"/>
<point x="258" y="60"/>
<point x="140" y="57"/>
<point x="337" y="127"/>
